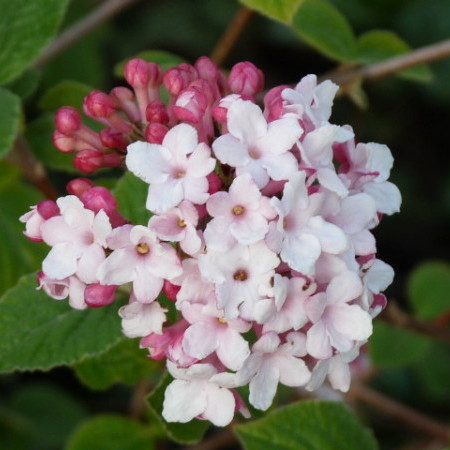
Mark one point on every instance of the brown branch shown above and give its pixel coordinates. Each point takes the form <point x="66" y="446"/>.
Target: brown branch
<point x="398" y="318"/>
<point x="422" y="55"/>
<point x="403" y="413"/>
<point x="32" y="169"/>
<point x="231" y="35"/>
<point x="138" y="405"/>
<point x="107" y="10"/>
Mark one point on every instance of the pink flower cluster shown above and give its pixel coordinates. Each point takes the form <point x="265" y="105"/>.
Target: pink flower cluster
<point x="260" y="233"/>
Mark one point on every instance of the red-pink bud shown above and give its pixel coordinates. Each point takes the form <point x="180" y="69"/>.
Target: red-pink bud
<point x="178" y="78"/>
<point x="155" y="133"/>
<point x="190" y="105"/>
<point x="111" y="138"/>
<point x="78" y="186"/>
<point x="215" y="183"/>
<point x="157" y="112"/>
<point x="201" y="210"/>
<point x="136" y="72"/>
<point x="99" y="105"/>
<point x="170" y="290"/>
<point x="273" y="103"/>
<point x="97" y="198"/>
<point x="67" y="120"/>
<point x="88" y="161"/>
<point x="206" y="68"/>
<point x="63" y="143"/>
<point x="246" y="79"/>
<point x="47" y="209"/>
<point x="97" y="295"/>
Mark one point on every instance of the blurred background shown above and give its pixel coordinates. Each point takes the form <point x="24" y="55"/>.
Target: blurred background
<point x="41" y="410"/>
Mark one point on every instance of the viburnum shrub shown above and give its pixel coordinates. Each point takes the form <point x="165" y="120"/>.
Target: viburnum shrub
<point x="261" y="231"/>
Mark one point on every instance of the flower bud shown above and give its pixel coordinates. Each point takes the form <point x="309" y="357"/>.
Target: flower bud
<point x="190" y="105"/>
<point x="99" y="105"/>
<point x="111" y="138"/>
<point x="97" y="295"/>
<point x="47" y="209"/>
<point x="157" y="112"/>
<point x="206" y="69"/>
<point x="246" y="79"/>
<point x="178" y="78"/>
<point x="88" y="161"/>
<point x="126" y="101"/>
<point x="155" y="133"/>
<point x="137" y="72"/>
<point x="170" y="290"/>
<point x="215" y="183"/>
<point x="78" y="186"/>
<point x="67" y="120"/>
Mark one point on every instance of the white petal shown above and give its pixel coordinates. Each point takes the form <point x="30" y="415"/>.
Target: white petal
<point x="229" y="150"/>
<point x="332" y="239"/>
<point x="301" y="253"/>
<point x="386" y="195"/>
<point x="233" y="349"/>
<point x="201" y="339"/>
<point x="293" y="371"/>
<point x="281" y="135"/>
<point x="162" y="197"/>
<point x="61" y="261"/>
<point x="147" y="161"/>
<point x="263" y="386"/>
<point x="181" y="139"/>
<point x="317" y="342"/>
<point x="352" y="321"/>
<point x="220" y="405"/>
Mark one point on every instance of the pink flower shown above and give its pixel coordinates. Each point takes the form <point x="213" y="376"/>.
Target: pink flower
<point x="139" y="257"/>
<point x="240" y="215"/>
<point x="175" y="170"/>
<point x="256" y="147"/>
<point x="142" y="319"/>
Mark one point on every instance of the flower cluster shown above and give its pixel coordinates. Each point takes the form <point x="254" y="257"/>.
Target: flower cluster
<point x="260" y="233"/>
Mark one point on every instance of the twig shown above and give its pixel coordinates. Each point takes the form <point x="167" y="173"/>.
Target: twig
<point x="105" y="11"/>
<point x="138" y="406"/>
<point x="395" y="316"/>
<point x="32" y="169"/>
<point x="219" y="440"/>
<point x="231" y="35"/>
<point x="422" y="55"/>
<point x="400" y="412"/>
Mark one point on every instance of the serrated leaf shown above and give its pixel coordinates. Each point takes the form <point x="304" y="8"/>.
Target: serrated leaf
<point x="26" y="84"/>
<point x="282" y="10"/>
<point x="39" y="135"/>
<point x="39" y="332"/>
<point x="183" y="433"/>
<point x="124" y="363"/>
<point x="9" y="120"/>
<point x="111" y="432"/>
<point x="18" y="255"/>
<point x="396" y="347"/>
<point x="321" y="25"/>
<point x="429" y="289"/>
<point x="165" y="59"/>
<point x="131" y="194"/>
<point x="307" y="425"/>
<point x="26" y="27"/>
<point x="378" y="45"/>
<point x="66" y="93"/>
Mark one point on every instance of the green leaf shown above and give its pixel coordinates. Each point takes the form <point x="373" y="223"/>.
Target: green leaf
<point x="396" y="347"/>
<point x="111" y="432"/>
<point x="125" y="363"/>
<point x="48" y="413"/>
<point x="165" y="59"/>
<point x="25" y="29"/>
<point x="131" y="194"/>
<point x="378" y="45"/>
<point x="39" y="332"/>
<point x="39" y="135"/>
<point x="9" y="120"/>
<point x="307" y="425"/>
<point x="66" y="93"/>
<point x="282" y="10"/>
<point x="26" y="84"/>
<point x="183" y="433"/>
<point x="326" y="29"/>
<point x="429" y="289"/>
<point x="18" y="255"/>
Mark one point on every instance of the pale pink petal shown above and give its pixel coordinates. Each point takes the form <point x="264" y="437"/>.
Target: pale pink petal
<point x="164" y="196"/>
<point x="281" y="135"/>
<point x="76" y="293"/>
<point x="229" y="150"/>
<point x="379" y="276"/>
<point x="256" y="171"/>
<point x="301" y="253"/>
<point x="220" y="405"/>
<point x="353" y="322"/>
<point x="146" y="286"/>
<point x="165" y="264"/>
<point x="339" y="374"/>
<point x="61" y="261"/>
<point x="217" y="234"/>
<point x="315" y="306"/>
<point x="250" y="230"/>
<point x="191" y="243"/>
<point x="201" y="339"/>
<point x="118" y="268"/>
<point x="317" y="342"/>
<point x="119" y="237"/>
<point x="200" y="163"/>
<point x="184" y="400"/>
<point x="233" y="349"/>
<point x="140" y="320"/>
<point x="263" y="386"/>
<point x="280" y="167"/>
<point x="181" y="139"/>
<point x="89" y="263"/>
<point x="246" y="122"/>
<point x="329" y="179"/>
<point x="148" y="162"/>
<point x="386" y="195"/>
<point x="345" y="287"/>
<point x="196" y="190"/>
<point x="293" y="371"/>
<point x="101" y="227"/>
<point x="332" y="239"/>
<point x="166" y="226"/>
<point x="219" y="204"/>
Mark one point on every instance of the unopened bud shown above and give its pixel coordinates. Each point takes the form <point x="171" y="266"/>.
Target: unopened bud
<point x="155" y="133"/>
<point x="99" y="105"/>
<point x="47" y="209"/>
<point x="78" y="186"/>
<point x="170" y="290"/>
<point x="215" y="183"/>
<point x="67" y="120"/>
<point x="111" y="138"/>
<point x="246" y="79"/>
<point x="157" y="112"/>
<point x="97" y="295"/>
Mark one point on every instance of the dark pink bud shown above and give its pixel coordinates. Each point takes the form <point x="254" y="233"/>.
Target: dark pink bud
<point x="47" y="209"/>
<point x="78" y="186"/>
<point x="246" y="79"/>
<point x="178" y="78"/>
<point x="155" y="74"/>
<point x="157" y="112"/>
<point x="215" y="183"/>
<point x="98" y="295"/>
<point x="67" y="120"/>
<point x="274" y="103"/>
<point x="170" y="290"/>
<point x="111" y="138"/>
<point x="97" y="198"/>
<point x="379" y="301"/>
<point x="220" y="114"/>
<point x="88" y="161"/>
<point x="201" y="210"/>
<point x="137" y="72"/>
<point x="206" y="68"/>
<point x="99" y="105"/>
<point x="155" y="133"/>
